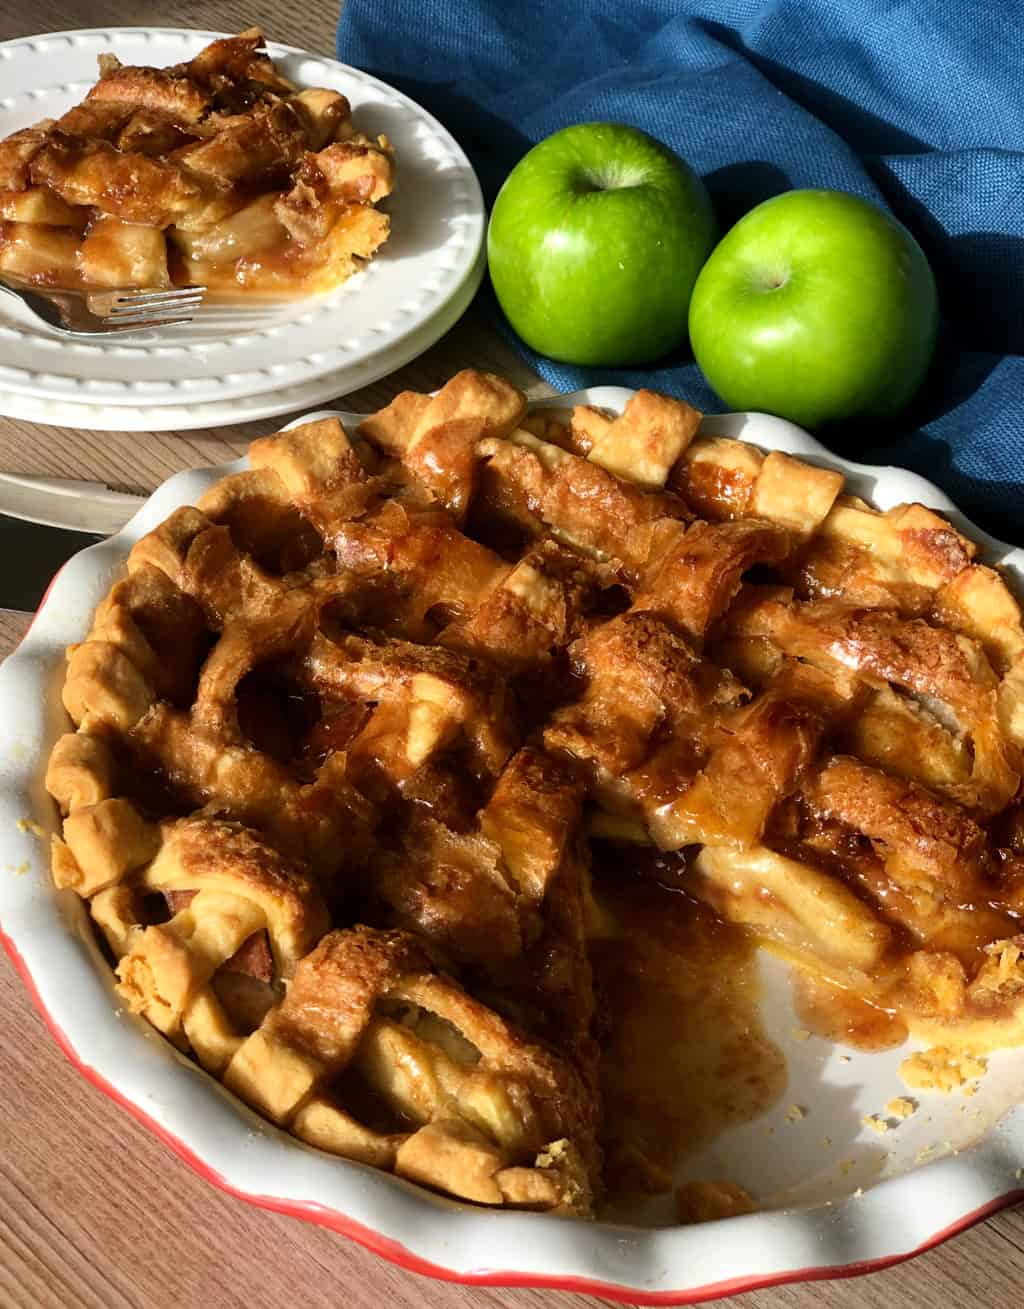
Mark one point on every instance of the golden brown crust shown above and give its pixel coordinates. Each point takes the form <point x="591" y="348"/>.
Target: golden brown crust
<point x="153" y="88"/>
<point x="691" y="577"/>
<point x="131" y="187"/>
<point x="209" y="854"/>
<point x="353" y="717"/>
<point x="240" y="61"/>
<point x="644" y="442"/>
<point x="919" y="836"/>
<point x="17" y="152"/>
<point x="500" y="1102"/>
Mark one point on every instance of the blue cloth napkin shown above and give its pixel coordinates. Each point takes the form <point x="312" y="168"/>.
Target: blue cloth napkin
<point x="917" y="106"/>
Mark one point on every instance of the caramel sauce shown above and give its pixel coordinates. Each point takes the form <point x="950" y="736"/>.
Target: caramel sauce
<point x="684" y="1054"/>
<point x="712" y="490"/>
<point x="969" y="929"/>
<point x="156" y="793"/>
<point x="838" y="1015"/>
<point x="274" y="714"/>
<point x="276" y="536"/>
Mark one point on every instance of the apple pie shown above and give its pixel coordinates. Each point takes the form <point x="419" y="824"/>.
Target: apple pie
<point x="216" y="172"/>
<point x="353" y="735"/>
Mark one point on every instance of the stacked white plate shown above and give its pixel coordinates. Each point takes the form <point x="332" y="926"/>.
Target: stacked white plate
<point x="234" y="364"/>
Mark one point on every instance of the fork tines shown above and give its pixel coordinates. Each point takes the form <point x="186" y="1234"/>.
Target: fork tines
<point x="151" y="308"/>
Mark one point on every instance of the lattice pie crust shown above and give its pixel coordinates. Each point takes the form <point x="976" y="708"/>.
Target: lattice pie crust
<point x="345" y="731"/>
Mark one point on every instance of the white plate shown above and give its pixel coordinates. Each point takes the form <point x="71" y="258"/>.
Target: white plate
<point x="859" y="1202"/>
<point x="245" y="409"/>
<point x="437" y="232"/>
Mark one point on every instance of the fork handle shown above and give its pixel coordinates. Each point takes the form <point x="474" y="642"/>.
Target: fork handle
<point x="46" y="310"/>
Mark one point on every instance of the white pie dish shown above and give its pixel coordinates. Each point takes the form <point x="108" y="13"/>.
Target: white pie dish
<point x="827" y="1210"/>
<point x="386" y="310"/>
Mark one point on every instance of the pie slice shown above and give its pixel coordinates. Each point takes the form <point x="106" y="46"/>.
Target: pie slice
<point x="216" y="172"/>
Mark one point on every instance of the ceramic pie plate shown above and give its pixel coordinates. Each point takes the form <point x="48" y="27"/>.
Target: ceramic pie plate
<point x="836" y="1198"/>
<point x="228" y="353"/>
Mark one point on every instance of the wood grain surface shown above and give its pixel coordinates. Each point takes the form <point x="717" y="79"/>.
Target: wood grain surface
<point x="94" y="1211"/>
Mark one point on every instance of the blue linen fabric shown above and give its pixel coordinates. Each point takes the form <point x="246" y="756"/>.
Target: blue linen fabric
<point x="915" y="104"/>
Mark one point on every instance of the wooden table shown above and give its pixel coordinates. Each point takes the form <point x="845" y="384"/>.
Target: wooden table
<point x="93" y="1210"/>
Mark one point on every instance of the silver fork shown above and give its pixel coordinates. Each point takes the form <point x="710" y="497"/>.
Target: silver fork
<point x="97" y="313"/>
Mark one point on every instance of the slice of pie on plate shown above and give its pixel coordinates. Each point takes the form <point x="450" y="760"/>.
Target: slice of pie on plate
<point x="217" y="172"/>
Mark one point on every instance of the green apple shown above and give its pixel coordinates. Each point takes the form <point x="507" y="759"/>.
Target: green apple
<point x="817" y="306"/>
<point x="594" y="244"/>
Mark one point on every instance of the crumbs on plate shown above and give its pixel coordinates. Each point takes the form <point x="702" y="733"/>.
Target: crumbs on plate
<point x="941" y="1069"/>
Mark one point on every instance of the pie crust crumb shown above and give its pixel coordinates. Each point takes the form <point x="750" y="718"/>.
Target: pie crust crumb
<point x="941" y="1069"/>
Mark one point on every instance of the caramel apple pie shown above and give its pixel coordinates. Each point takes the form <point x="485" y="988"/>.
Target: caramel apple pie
<point x="361" y="737"/>
<point x="216" y="172"/>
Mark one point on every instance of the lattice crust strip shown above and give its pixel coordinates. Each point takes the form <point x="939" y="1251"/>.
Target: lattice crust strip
<point x="909" y="655"/>
<point x="490" y="1117"/>
<point x="342" y="730"/>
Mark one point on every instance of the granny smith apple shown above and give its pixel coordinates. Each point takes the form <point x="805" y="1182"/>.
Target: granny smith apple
<point x="594" y="244"/>
<point x="817" y="306"/>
